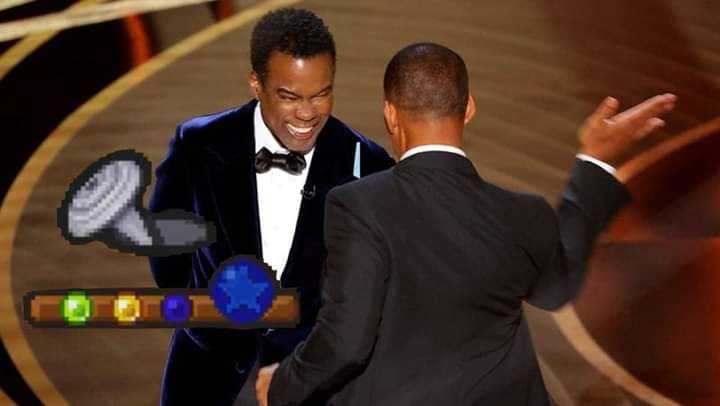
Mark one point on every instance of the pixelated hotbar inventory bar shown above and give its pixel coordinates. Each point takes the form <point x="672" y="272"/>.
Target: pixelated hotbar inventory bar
<point x="242" y="294"/>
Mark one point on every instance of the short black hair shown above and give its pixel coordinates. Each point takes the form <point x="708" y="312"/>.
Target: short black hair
<point x="427" y="79"/>
<point x="295" y="32"/>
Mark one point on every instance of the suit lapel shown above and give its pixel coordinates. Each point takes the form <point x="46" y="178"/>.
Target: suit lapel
<point x="233" y="189"/>
<point x="231" y="175"/>
<point x="330" y="165"/>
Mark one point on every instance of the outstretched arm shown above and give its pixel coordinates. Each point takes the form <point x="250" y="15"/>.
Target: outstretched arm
<point x="563" y="239"/>
<point x="562" y="242"/>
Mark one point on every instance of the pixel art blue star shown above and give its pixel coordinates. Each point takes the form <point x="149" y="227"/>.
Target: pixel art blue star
<point x="242" y="291"/>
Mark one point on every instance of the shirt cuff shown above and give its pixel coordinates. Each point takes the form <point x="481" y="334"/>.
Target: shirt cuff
<point x="606" y="167"/>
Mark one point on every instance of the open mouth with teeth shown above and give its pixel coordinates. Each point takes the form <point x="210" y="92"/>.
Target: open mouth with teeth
<point x="301" y="133"/>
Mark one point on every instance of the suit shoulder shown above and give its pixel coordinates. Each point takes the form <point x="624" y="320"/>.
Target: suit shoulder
<point x="194" y="127"/>
<point x="528" y="216"/>
<point x="365" y="188"/>
<point x="200" y="128"/>
<point x="516" y="199"/>
<point x="220" y="135"/>
<point x="368" y="147"/>
<point x="350" y="134"/>
<point x="365" y="198"/>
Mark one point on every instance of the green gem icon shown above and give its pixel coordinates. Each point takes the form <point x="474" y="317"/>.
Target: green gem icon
<point x="76" y="308"/>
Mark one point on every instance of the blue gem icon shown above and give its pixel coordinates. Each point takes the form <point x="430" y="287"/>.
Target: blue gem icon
<point x="176" y="308"/>
<point x="242" y="290"/>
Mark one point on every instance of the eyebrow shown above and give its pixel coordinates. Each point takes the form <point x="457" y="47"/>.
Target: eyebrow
<point x="284" y="90"/>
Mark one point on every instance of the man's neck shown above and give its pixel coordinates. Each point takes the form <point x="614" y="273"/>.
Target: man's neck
<point x="437" y="131"/>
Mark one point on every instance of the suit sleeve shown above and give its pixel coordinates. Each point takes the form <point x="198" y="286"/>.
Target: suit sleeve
<point x="562" y="241"/>
<point x="354" y="286"/>
<point x="172" y="191"/>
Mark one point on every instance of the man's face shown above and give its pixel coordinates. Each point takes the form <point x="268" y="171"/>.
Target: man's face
<point x="296" y="98"/>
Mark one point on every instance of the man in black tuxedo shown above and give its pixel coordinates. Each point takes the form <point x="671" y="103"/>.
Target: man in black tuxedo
<point x="428" y="264"/>
<point x="260" y="173"/>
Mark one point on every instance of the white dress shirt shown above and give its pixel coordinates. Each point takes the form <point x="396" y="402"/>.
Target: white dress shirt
<point x="432" y="147"/>
<point x="279" y="198"/>
<point x="608" y="168"/>
<point x="449" y="148"/>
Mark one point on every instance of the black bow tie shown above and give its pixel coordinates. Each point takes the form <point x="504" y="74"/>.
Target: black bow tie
<point x="292" y="162"/>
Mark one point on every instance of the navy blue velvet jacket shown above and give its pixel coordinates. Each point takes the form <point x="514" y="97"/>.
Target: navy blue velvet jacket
<point x="209" y="170"/>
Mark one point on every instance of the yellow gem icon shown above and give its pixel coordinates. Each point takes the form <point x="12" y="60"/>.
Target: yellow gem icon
<point x="127" y="308"/>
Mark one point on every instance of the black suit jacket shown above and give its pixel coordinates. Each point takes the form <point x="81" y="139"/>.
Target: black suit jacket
<point x="209" y="170"/>
<point x="427" y="269"/>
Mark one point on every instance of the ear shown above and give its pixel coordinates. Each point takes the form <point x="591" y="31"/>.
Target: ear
<point x="470" y="109"/>
<point x="255" y="84"/>
<point x="390" y="113"/>
<point x="397" y="138"/>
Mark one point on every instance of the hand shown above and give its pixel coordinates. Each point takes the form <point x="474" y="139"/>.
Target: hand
<point x="610" y="137"/>
<point x="262" y="385"/>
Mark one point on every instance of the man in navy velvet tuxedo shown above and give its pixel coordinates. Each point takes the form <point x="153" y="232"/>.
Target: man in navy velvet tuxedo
<point x="260" y="173"/>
